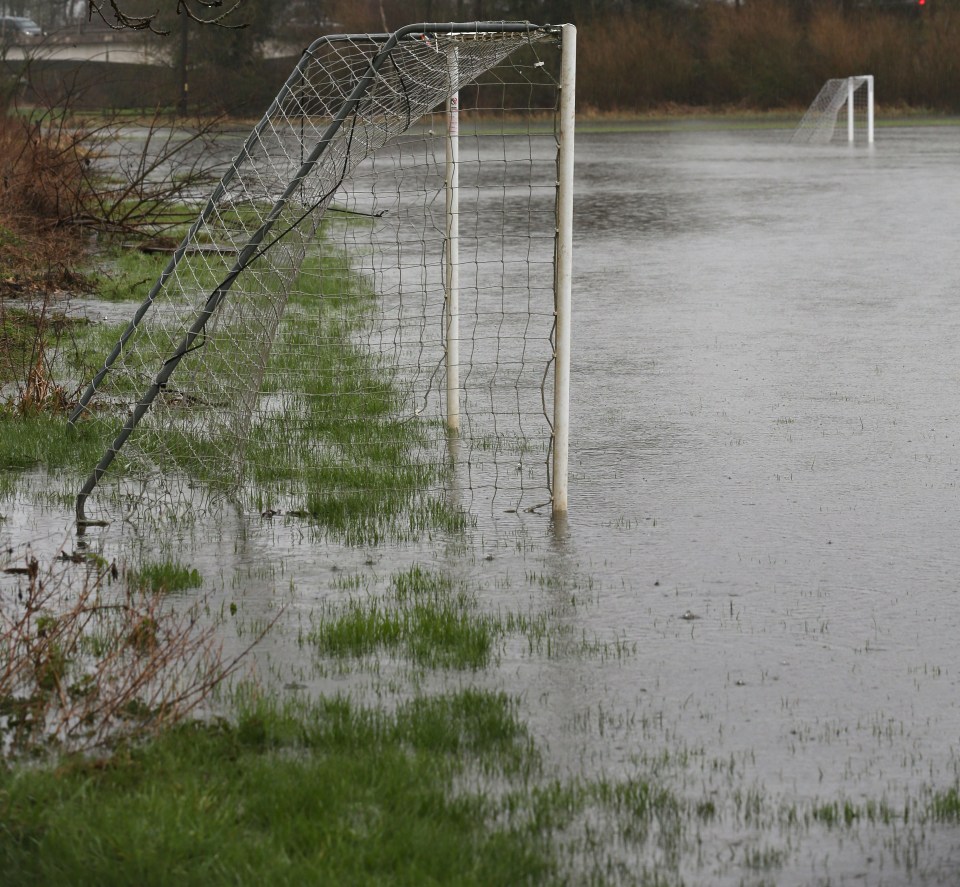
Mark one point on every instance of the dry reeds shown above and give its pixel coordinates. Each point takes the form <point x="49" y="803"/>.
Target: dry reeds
<point x="42" y="164"/>
<point x="87" y="659"/>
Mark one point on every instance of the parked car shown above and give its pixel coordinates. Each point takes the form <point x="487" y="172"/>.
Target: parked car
<point x="17" y="29"/>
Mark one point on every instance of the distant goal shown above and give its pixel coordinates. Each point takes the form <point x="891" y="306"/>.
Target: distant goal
<point x="852" y="95"/>
<point x="374" y="303"/>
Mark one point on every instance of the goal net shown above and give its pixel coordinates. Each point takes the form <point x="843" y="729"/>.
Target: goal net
<point x="819" y="124"/>
<point x="368" y="317"/>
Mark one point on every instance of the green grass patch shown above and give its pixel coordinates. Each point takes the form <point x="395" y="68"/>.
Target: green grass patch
<point x="435" y="621"/>
<point x="18" y="343"/>
<point x="165" y="576"/>
<point x="45" y="440"/>
<point x="342" y="447"/>
<point x="427" y="617"/>
<point x="33" y="339"/>
<point x="86" y="356"/>
<point x="329" y="439"/>
<point x="127" y="273"/>
<point x="332" y="794"/>
<point x="945" y="806"/>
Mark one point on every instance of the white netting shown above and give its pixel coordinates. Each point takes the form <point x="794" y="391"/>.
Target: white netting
<point x="819" y="123"/>
<point x="318" y="380"/>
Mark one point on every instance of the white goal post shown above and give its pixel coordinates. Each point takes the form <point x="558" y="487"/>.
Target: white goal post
<point x="396" y="230"/>
<point x="856" y="94"/>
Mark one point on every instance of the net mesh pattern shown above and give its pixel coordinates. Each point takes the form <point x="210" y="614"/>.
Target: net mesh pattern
<point x="819" y="124"/>
<point x="317" y="270"/>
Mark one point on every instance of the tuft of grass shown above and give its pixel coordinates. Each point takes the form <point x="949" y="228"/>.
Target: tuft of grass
<point x="126" y="274"/>
<point x="167" y="576"/>
<point x="945" y="806"/>
<point x="429" y="619"/>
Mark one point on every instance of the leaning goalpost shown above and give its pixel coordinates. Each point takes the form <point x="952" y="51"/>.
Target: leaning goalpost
<point x="388" y="258"/>
<point x="819" y="123"/>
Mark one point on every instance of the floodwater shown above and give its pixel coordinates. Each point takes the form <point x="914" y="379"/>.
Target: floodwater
<point x="766" y="426"/>
<point x="764" y="504"/>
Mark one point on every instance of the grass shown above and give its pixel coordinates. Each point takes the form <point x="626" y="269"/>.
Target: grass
<point x="945" y="806"/>
<point x="426" y="617"/>
<point x="18" y="336"/>
<point x="335" y="447"/>
<point x="330" y="793"/>
<point x="341" y="447"/>
<point x="437" y="622"/>
<point x="42" y="440"/>
<point x="340" y="453"/>
<point x="127" y="274"/>
<point x="444" y="789"/>
<point x="167" y="576"/>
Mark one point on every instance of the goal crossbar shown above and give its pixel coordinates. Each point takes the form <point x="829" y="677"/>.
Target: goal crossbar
<point x="296" y="212"/>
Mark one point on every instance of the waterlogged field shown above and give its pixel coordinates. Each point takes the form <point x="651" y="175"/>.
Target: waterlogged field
<point x="734" y="663"/>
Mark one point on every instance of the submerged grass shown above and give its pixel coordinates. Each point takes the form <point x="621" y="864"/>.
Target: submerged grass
<point x="341" y="447"/>
<point x="945" y="806"/>
<point x="445" y="789"/>
<point x="127" y="273"/>
<point x="167" y="576"/>
<point x="18" y="342"/>
<point x="325" y="436"/>
<point x="426" y="616"/>
<point x="437" y="621"/>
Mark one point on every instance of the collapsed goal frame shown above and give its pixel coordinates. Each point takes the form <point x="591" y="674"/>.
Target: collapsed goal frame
<point x="272" y="226"/>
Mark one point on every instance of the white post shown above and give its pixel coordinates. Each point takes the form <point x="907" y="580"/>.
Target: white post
<point x="850" y="90"/>
<point x="870" y="109"/>
<point x="564" y="270"/>
<point x="452" y="281"/>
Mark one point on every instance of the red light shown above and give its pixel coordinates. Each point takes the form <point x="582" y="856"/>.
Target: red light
<point x="921" y="2"/>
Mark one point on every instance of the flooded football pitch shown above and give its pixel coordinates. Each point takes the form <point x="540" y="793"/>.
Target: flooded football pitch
<point x="755" y="599"/>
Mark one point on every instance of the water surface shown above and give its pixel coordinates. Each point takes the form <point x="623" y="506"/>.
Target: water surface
<point x="760" y="561"/>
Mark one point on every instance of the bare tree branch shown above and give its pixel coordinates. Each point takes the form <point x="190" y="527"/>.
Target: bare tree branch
<point x="112" y="14"/>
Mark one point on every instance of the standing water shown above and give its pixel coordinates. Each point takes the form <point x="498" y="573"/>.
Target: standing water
<point x="759" y="572"/>
<point x="767" y="420"/>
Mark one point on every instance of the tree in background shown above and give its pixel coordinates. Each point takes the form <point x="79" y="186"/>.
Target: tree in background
<point x="225" y="64"/>
<point x="14" y="7"/>
<point x="155" y="15"/>
<point x="636" y="55"/>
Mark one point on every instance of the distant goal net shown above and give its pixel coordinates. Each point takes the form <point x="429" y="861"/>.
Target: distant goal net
<point x="373" y="305"/>
<point x="842" y="111"/>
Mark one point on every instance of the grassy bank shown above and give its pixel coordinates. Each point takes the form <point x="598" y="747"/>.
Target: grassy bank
<point x="328" y="793"/>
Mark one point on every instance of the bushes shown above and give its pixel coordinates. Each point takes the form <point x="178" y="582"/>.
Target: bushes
<point x="42" y="166"/>
<point x="635" y="62"/>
